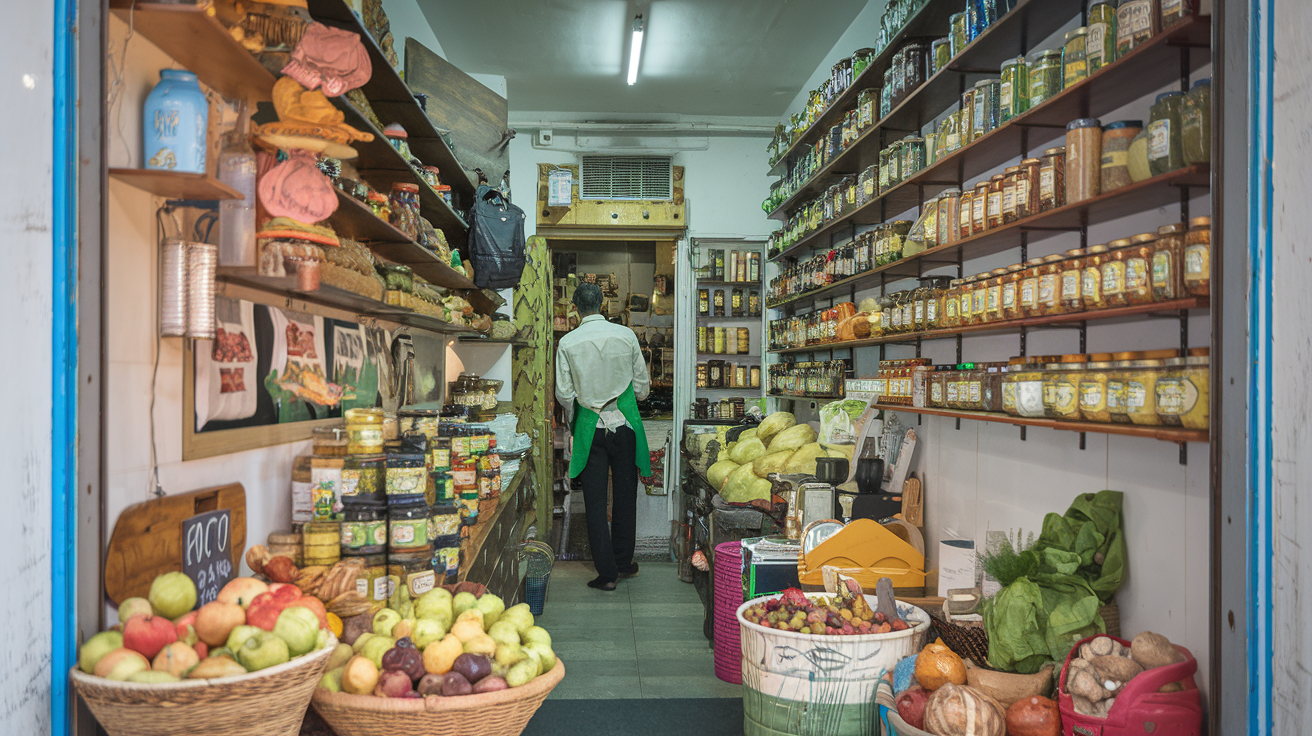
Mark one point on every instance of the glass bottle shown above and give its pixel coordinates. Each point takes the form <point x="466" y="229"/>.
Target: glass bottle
<point x="1093" y="388"/>
<point x="237" y="216"/>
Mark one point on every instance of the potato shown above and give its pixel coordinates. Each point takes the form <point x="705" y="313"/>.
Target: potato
<point x="1154" y="650"/>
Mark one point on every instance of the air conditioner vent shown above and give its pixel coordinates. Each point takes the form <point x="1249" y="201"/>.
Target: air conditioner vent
<point x="626" y="177"/>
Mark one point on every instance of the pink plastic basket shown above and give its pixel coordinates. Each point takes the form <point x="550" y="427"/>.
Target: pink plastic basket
<point x="728" y="597"/>
<point x="1140" y="709"/>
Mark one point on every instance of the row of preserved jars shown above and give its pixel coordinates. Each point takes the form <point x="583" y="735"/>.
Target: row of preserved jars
<point x="876" y="247"/>
<point x="727" y="374"/>
<point x="815" y="328"/>
<point x="815" y="379"/>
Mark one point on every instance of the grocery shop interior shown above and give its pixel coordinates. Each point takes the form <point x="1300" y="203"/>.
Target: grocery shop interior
<point x="852" y="367"/>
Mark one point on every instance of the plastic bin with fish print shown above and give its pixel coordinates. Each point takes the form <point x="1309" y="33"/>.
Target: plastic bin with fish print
<point x="804" y="684"/>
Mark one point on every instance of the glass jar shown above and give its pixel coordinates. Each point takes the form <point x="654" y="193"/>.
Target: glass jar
<point x="1009" y="385"/>
<point x="1091" y="389"/>
<point x="960" y="35"/>
<point x="885" y="169"/>
<point x="1141" y="387"/>
<point x="1071" y="292"/>
<point x="1184" y="391"/>
<point x="979" y="203"/>
<point x="1045" y="76"/>
<point x="1138" y="269"/>
<point x="407" y="524"/>
<point x="966" y="298"/>
<point x="377" y="202"/>
<point x="403" y="208"/>
<point x="1138" y="163"/>
<point x="1100" y="42"/>
<point x="410" y="572"/>
<point x="1050" y="285"/>
<point x="993" y="295"/>
<point x="1165" y="152"/>
<point x="1052" y="179"/>
<point x="1168" y="254"/>
<point x="948" y="215"/>
<point x="993" y="207"/>
<point x="950" y="134"/>
<point x="965" y="210"/>
<point x="1117" y="408"/>
<point x="941" y="52"/>
<point x="895" y="172"/>
<point x="1173" y="11"/>
<point x="867" y="185"/>
<point x="1083" y="159"/>
<point x="363" y="478"/>
<point x="1010" y="206"/>
<point x="951" y="306"/>
<point x="1011" y="292"/>
<point x="1029" y="288"/>
<point x="364" y="428"/>
<point x="1014" y="91"/>
<point x="974" y="400"/>
<point x="1136" y="22"/>
<point x="364" y="528"/>
<point x="937" y="385"/>
<point x="1061" y="388"/>
<point x="1091" y="278"/>
<point x="1196" y="124"/>
<point x="987" y="107"/>
<point x="913" y="155"/>
<point x="968" y="117"/>
<point x="866" y="107"/>
<point x="1027" y="190"/>
<point x="1028" y="382"/>
<point x="1113" y="273"/>
<point x="1114" y="171"/>
<point x="1075" y="67"/>
<point x="886" y="94"/>
<point x="979" y="299"/>
<point x="1198" y="257"/>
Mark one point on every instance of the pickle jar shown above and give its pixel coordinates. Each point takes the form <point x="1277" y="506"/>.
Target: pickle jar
<point x="993" y="295"/>
<point x="1093" y="388"/>
<point x="979" y="205"/>
<point x="993" y="205"/>
<point x="1138" y="265"/>
<point x="979" y="299"/>
<point x="1027" y="189"/>
<point x="1198" y="257"/>
<point x="1136" y="22"/>
<point x="1010" y="205"/>
<point x="1117" y="375"/>
<point x="1196" y="124"/>
<point x="1052" y="179"/>
<point x="951" y="304"/>
<point x="1091" y="279"/>
<point x="1050" y="285"/>
<point x="1061" y="381"/>
<point x="1168" y="252"/>
<point x="1100" y="41"/>
<point x="1011" y="292"/>
<point x="948" y="215"/>
<point x="1045" y="76"/>
<point x="1071" y="284"/>
<point x="1014" y="91"/>
<point x="1113" y="273"/>
<point x="1075" y="67"/>
<point x="1029" y="288"/>
<point x="1165" y="152"/>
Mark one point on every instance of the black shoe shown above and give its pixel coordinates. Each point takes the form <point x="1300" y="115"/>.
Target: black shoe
<point x="602" y="584"/>
<point x="631" y="573"/>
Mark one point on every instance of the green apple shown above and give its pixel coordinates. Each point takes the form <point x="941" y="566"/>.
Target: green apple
<point x="321" y="639"/>
<point x="299" y="628"/>
<point x="172" y="594"/>
<point x="386" y="620"/>
<point x="261" y="650"/>
<point x="463" y="601"/>
<point x="491" y="606"/>
<point x="153" y="677"/>
<point x="535" y="635"/>
<point x="434" y="603"/>
<point x="97" y="647"/>
<point x="427" y="631"/>
<point x="239" y="636"/>
<point x="361" y="640"/>
<point x="332" y="680"/>
<point x="376" y="647"/>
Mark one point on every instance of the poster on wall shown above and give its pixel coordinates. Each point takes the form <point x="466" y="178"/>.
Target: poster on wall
<point x="226" y="383"/>
<point x="297" y="378"/>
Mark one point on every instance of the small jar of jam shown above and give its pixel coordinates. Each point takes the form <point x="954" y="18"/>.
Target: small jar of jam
<point x="993" y="295"/>
<point x="979" y="208"/>
<point x="1138" y="264"/>
<point x="993" y="208"/>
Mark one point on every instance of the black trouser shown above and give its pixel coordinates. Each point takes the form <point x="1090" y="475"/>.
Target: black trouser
<point x="613" y="453"/>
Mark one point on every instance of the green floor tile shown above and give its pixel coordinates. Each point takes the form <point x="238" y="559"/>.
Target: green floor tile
<point x="584" y="651"/>
<point x="682" y="666"/>
<point x="689" y="687"/>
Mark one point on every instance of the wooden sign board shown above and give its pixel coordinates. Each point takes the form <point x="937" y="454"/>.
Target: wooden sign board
<point x="477" y="117"/>
<point x="207" y="553"/>
<point x="149" y="540"/>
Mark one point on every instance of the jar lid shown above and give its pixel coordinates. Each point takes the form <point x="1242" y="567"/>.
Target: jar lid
<point x="1096" y="249"/>
<point x="376" y="197"/>
<point x="1169" y="95"/>
<point x="1128" y="355"/>
<point x="950" y="192"/>
<point x="1015" y="267"/>
<point x="1054" y="258"/>
<point x="1148" y="363"/>
<point x="1074" y="253"/>
<point x="1119" y="243"/>
<point x="1010" y="62"/>
<point x="1199" y="352"/>
<point x="997" y="177"/>
<point x="1099" y="365"/>
<point x="1030" y="162"/>
<point x="1076" y="33"/>
<point x="1059" y="150"/>
<point x="1204" y="221"/>
<point x="998" y="272"/>
<point x="1079" y="123"/>
<point x="1033" y="262"/>
<point x="942" y="42"/>
<point x="1201" y="83"/>
<point x="1171" y="229"/>
<point x="1160" y="354"/>
<point x="979" y="276"/>
<point x="1099" y="357"/>
<point x="1173" y="362"/>
<point x="1198" y="360"/>
<point x="1142" y="238"/>
<point x="1075" y="358"/>
<point x="1121" y="124"/>
<point x="1048" y="54"/>
<point x="987" y="83"/>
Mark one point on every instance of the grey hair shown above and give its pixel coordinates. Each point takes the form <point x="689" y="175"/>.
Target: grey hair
<point x="587" y="297"/>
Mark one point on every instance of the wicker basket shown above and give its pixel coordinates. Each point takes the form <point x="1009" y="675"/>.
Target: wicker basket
<point x="502" y="713"/>
<point x="270" y="702"/>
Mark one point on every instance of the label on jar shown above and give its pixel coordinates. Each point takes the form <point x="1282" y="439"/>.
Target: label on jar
<point x="1159" y="139"/>
<point x="897" y="318"/>
<point x="963" y="217"/>
<point x="1162" y="276"/>
<point x="1009" y="295"/>
<point x="1028" y="291"/>
<point x="352" y="534"/>
<point x="1029" y="398"/>
<point x="1172" y="6"/>
<point x="995" y="204"/>
<point x="1075" y="71"/>
<point x="1047" y="190"/>
<point x="1022" y="196"/>
<point x="1115" y="394"/>
<point x="1195" y="260"/>
<point x="1090" y="395"/>
<point x="978" y="214"/>
<point x="1092" y="280"/>
<point x="979" y="302"/>
<point x="1048" y="289"/>
<point x="1094" y="44"/>
<point x="1115" y="159"/>
<point x="994" y="298"/>
<point x="907" y="316"/>
<point x="1070" y="284"/>
<point x="1004" y="96"/>
<point x="1065" y="399"/>
<point x="1136" y="273"/>
<point x="1136" y="395"/>
<point x="1009" y="395"/>
<point x="920" y="313"/>
<point x="362" y="587"/>
<point x="980" y="108"/>
<point x="881" y="386"/>
<point x="407" y="532"/>
<point x="936" y="393"/>
<point x="967" y="303"/>
<point x="974" y="391"/>
<point x="1113" y="278"/>
<point x="1171" y="396"/>
<point x="382" y="588"/>
<point x="1133" y="18"/>
<point x="869" y="187"/>
<point x="952" y="392"/>
<point x="931" y="312"/>
<point x="1009" y="200"/>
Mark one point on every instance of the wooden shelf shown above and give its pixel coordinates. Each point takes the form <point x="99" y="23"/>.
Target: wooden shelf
<point x="791" y="397"/>
<point x="176" y="184"/>
<point x="708" y="282"/>
<point x="1166" y="434"/>
<point x="488" y="513"/>
<point x="718" y="356"/>
<point x="476" y="340"/>
<point x="1073" y="320"/>
<point x="393" y="101"/>
<point x="200" y="44"/>
<point x="1147" y="68"/>
<point x="1159" y="191"/>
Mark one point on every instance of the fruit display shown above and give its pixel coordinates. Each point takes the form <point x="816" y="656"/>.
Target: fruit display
<point x="439" y="644"/>
<point x="778" y="445"/>
<point x="251" y="626"/>
<point x="845" y="614"/>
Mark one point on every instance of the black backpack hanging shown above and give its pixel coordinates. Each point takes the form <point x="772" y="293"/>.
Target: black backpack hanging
<point x="496" y="240"/>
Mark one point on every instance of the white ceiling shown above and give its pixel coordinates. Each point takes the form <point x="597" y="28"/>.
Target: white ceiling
<point x="740" y="58"/>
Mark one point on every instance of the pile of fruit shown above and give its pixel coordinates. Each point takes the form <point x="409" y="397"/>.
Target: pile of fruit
<point x="846" y="614"/>
<point x="439" y="644"/>
<point x="778" y="445"/>
<point x="250" y="626"/>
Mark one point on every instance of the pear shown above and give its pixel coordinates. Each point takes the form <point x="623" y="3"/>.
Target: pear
<point x="491" y="606"/>
<point x="509" y="654"/>
<point x="536" y="634"/>
<point x="462" y="602"/>
<point x="519" y="615"/>
<point x="434" y="604"/>
<point x="340" y="656"/>
<point x="481" y="644"/>
<point x="545" y="655"/>
<point x="504" y="632"/>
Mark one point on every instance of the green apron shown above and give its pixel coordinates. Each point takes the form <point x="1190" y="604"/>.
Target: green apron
<point x="585" y="427"/>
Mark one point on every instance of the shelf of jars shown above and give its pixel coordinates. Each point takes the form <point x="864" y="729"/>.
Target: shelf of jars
<point x="1151" y="65"/>
<point x="980" y="58"/>
<point x="1169" y="308"/>
<point x="1166" y="434"/>
<point x="1157" y="191"/>
<point x="393" y="101"/>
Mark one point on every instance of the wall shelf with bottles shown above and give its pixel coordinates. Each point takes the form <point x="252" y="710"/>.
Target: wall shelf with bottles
<point x="1166" y="434"/>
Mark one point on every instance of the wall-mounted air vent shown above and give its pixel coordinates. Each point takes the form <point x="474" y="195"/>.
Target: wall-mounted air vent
<point x="626" y="177"/>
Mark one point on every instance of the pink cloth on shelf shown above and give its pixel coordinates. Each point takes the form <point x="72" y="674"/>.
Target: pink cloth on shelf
<point x="329" y="57"/>
<point x="296" y="188"/>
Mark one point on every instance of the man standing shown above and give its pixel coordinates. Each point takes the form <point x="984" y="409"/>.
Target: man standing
<point x="600" y="378"/>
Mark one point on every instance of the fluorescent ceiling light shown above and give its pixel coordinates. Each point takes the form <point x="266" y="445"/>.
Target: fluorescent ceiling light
<point x="635" y="51"/>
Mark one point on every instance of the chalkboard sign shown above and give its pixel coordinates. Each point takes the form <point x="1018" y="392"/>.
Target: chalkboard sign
<point x="207" y="552"/>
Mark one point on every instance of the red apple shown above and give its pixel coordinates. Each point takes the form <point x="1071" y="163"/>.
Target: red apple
<point x="242" y="591"/>
<point x="216" y="620"/>
<point x="314" y="604"/>
<point x="263" y="611"/>
<point x="148" y="634"/>
<point x="285" y="592"/>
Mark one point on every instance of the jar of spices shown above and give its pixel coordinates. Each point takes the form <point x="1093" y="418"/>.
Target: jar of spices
<point x="1136" y="22"/>
<point x="1075" y="67"/>
<point x="403" y="208"/>
<point x="1168" y="254"/>
<point x="364" y="528"/>
<point x="1093" y="388"/>
<point x="1009" y="385"/>
<point x="949" y="215"/>
<point x="993" y="295"/>
<point x="1198" y="257"/>
<point x="987" y="109"/>
<point x="1028" y="382"/>
<point x="1113" y="273"/>
<point x="951" y="307"/>
<point x="1061" y="392"/>
<point x="1100" y="42"/>
<point x="968" y="117"/>
<point x="364" y="427"/>
<point x="363" y="478"/>
<point x="1071" y="292"/>
<point x="965" y="210"/>
<point x="949" y="134"/>
<point x="1052" y="179"/>
<point x="941" y="50"/>
<point x="1184" y="390"/>
<point x="1027" y="189"/>
<point x="1138" y="269"/>
<point x="1141" y="386"/>
<point x="979" y="299"/>
<point x="1050" y="285"/>
<point x="1011" y="292"/>
<point x="1045" y="76"/>
<point x="1014" y="91"/>
<point x="1164" y="145"/>
<point x="867" y="185"/>
<point x="1010" y="206"/>
<point x="1091" y="279"/>
<point x="1117" y="408"/>
<point x="979" y="203"/>
<point x="1029" y="288"/>
<point x="895" y="172"/>
<point x="1196" y="124"/>
<point x="993" y="209"/>
<point x="966" y="294"/>
<point x="1115" y="164"/>
<point x="1083" y="159"/>
<point x="885" y="165"/>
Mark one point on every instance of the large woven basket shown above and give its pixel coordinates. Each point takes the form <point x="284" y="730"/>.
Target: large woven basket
<point x="502" y="713"/>
<point x="270" y="702"/>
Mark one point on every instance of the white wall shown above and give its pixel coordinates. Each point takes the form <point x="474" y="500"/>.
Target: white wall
<point x="407" y="20"/>
<point x="862" y="33"/>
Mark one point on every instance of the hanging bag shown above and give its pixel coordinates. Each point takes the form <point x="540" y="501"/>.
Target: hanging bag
<point x="496" y="240"/>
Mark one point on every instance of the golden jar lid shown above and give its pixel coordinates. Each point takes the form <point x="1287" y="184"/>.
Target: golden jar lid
<point x="1033" y="262"/>
<point x="1055" y="151"/>
<point x="1204" y="221"/>
<point x="1099" y="357"/>
<point x="1075" y="358"/>
<point x="1011" y="170"/>
<point x="1199" y="352"/>
<point x="1160" y="354"/>
<point x="1074" y="253"/>
<point x="1119" y="243"/>
<point x="1142" y="238"/>
<point x="1030" y="162"/>
<point x="998" y="272"/>
<point x="1054" y="258"/>
<point x="1128" y="355"/>
<point x="1097" y="249"/>
<point x="1175" y="228"/>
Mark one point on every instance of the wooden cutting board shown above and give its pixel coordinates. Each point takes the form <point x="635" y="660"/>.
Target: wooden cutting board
<point x="147" y="539"/>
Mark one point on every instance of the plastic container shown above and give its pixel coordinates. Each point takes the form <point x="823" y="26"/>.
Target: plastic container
<point x="364" y="529"/>
<point x="407" y="524"/>
<point x="364" y="429"/>
<point x="1011" y="292"/>
<point x="1061" y="393"/>
<point x="1049" y="301"/>
<point x="1083" y="159"/>
<point x="1141" y="386"/>
<point x="949" y="202"/>
<point x="1027" y="380"/>
<point x="1115" y="165"/>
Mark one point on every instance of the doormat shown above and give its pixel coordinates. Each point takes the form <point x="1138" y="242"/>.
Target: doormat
<point x="681" y="716"/>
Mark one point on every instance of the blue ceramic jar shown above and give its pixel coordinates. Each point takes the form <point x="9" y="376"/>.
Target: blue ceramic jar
<point x="174" y="123"/>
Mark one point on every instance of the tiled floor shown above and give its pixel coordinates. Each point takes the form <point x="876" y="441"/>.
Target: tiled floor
<point x="643" y="640"/>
